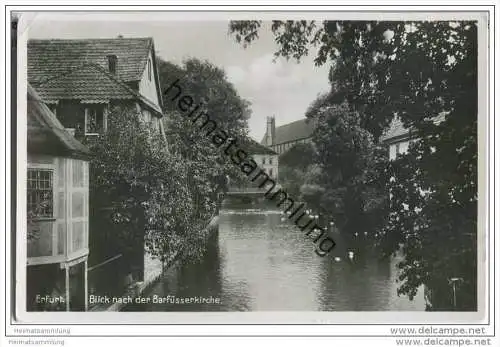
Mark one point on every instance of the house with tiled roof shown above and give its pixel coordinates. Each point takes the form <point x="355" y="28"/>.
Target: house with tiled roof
<point x="281" y="139"/>
<point x="82" y="80"/>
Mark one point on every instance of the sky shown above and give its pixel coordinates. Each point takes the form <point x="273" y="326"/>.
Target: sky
<point x="280" y="88"/>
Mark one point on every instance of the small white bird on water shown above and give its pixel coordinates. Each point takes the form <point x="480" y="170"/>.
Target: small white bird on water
<point x="351" y="255"/>
<point x="337" y="259"/>
<point x="356" y="234"/>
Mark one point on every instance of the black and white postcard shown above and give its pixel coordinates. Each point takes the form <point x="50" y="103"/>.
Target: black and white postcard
<point x="274" y="167"/>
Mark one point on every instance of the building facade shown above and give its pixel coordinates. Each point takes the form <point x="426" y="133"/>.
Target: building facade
<point x="265" y="157"/>
<point x="83" y="82"/>
<point x="57" y="211"/>
<point x="281" y="139"/>
<point x="268" y="162"/>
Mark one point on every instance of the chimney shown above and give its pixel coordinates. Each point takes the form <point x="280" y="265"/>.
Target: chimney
<point x="270" y="131"/>
<point x="112" y="63"/>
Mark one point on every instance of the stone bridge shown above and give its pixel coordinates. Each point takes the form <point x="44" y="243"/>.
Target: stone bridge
<point x="237" y="191"/>
<point x="246" y="194"/>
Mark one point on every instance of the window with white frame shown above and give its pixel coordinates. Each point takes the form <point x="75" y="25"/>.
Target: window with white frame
<point x="40" y="201"/>
<point x="94" y="121"/>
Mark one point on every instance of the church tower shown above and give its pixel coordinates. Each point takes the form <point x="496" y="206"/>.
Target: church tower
<point x="270" y="131"/>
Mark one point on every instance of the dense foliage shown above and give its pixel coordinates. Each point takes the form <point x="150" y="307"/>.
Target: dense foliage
<point x="139" y="190"/>
<point x="350" y="165"/>
<point x="294" y="167"/>
<point x="416" y="71"/>
<point x="207" y="85"/>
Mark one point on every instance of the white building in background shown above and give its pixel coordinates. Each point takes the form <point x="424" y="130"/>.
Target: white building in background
<point x="265" y="157"/>
<point x="397" y="138"/>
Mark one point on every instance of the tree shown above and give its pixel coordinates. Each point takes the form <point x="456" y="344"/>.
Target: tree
<point x="300" y="174"/>
<point x="300" y="155"/>
<point x="208" y="85"/>
<point x="139" y="192"/>
<point x="293" y="167"/>
<point x="312" y="189"/>
<point x="348" y="158"/>
<point x="417" y="71"/>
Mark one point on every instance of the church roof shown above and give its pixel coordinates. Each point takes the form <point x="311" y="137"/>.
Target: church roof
<point x="293" y="131"/>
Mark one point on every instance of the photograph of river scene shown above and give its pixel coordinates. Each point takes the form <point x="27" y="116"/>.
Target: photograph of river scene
<point x="250" y="165"/>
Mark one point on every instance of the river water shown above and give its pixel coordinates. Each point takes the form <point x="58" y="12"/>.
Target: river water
<point x="258" y="261"/>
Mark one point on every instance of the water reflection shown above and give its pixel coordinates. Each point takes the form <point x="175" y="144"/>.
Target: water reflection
<point x="257" y="262"/>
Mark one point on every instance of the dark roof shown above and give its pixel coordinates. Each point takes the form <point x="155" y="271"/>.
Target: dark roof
<point x="89" y="83"/>
<point x="294" y="131"/>
<point x="49" y="58"/>
<point x="253" y="147"/>
<point x="46" y="134"/>
<point x="397" y="130"/>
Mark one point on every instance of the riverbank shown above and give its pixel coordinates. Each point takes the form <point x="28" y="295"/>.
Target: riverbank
<point x="137" y="288"/>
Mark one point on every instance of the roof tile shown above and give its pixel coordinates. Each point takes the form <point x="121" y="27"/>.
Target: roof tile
<point x="89" y="83"/>
<point x="49" y="58"/>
